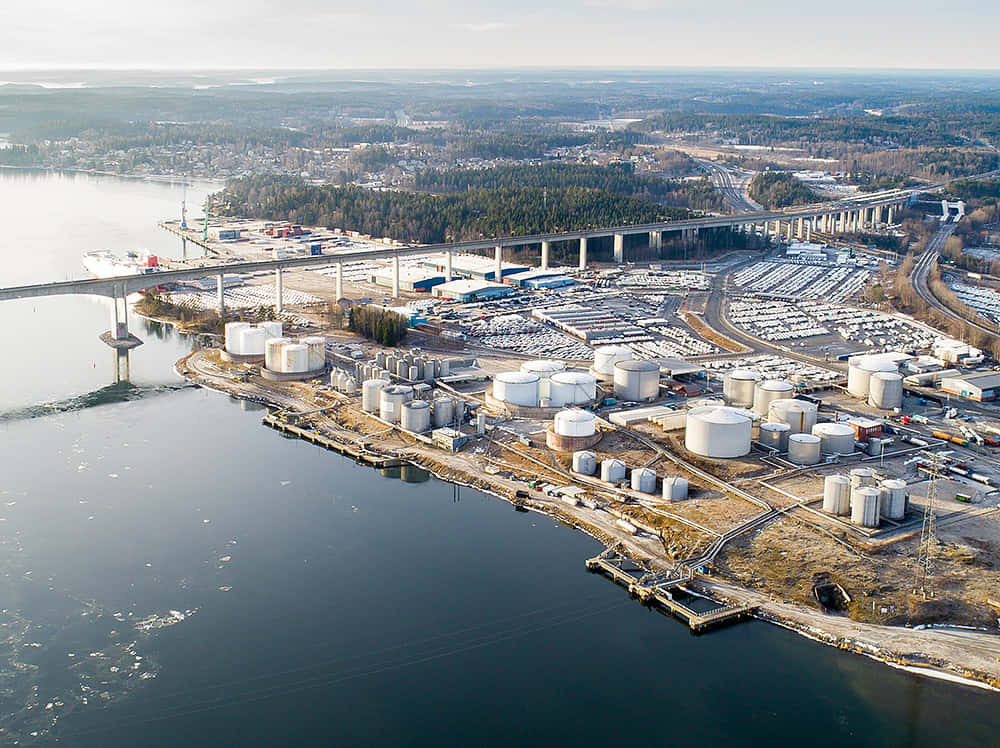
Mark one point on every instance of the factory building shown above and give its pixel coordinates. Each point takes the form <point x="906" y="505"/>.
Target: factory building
<point x="978" y="387"/>
<point x="539" y="279"/>
<point x="412" y="279"/>
<point x="473" y="266"/>
<point x="471" y="290"/>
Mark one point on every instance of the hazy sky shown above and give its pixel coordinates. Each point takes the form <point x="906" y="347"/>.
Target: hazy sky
<point x="474" y="33"/>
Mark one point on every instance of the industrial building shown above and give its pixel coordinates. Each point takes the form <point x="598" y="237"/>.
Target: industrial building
<point x="473" y="266"/>
<point x="413" y="279"/>
<point x="471" y="290"/>
<point x="539" y="279"/>
<point x="978" y="387"/>
<point x="590" y="324"/>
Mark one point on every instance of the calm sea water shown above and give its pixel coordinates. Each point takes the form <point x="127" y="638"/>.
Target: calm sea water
<point x="201" y="580"/>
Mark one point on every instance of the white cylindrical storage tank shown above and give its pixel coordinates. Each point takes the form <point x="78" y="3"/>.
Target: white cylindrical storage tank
<point x="738" y="387"/>
<point x="835" y="438"/>
<point x="675" y="488"/>
<point x="516" y="387"/>
<point x="643" y="480"/>
<point x="606" y="356"/>
<point x="391" y="400"/>
<point x="317" y="351"/>
<point x="444" y="411"/>
<point x="893" y="498"/>
<point x="837" y="495"/>
<point x="273" y="329"/>
<point x="402" y="369"/>
<point x="768" y="391"/>
<point x="350" y="385"/>
<point x="803" y="449"/>
<point x="885" y="390"/>
<point x="774" y="435"/>
<point x="413" y="373"/>
<point x="233" y="330"/>
<point x="416" y="416"/>
<point x="800" y="415"/>
<point x="575" y="423"/>
<point x="637" y="380"/>
<point x="571" y="388"/>
<point x="862" y="477"/>
<point x="584" y="462"/>
<point x="865" y="506"/>
<point x="370" y="394"/>
<point x="544" y="368"/>
<point x="718" y="432"/>
<point x="294" y="358"/>
<point x="253" y="341"/>
<point x="612" y="470"/>
<point x="860" y="369"/>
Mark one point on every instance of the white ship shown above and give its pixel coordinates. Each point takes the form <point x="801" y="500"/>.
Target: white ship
<point x="103" y="263"/>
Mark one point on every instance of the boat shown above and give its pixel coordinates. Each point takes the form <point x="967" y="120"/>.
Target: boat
<point x="103" y="263"/>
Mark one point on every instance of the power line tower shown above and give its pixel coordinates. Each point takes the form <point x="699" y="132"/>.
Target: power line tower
<point x="925" y="555"/>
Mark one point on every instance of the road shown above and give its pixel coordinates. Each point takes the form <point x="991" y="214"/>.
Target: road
<point x="731" y="185"/>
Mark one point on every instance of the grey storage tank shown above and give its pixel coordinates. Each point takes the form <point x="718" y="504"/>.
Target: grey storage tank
<point x="803" y="449"/>
<point x="774" y="435"/>
<point x="738" y="387"/>
<point x="837" y="495"/>
<point x="369" y="394"/>
<point x="584" y="462"/>
<point x="675" y="488"/>
<point x="643" y="480"/>
<point x="636" y="380"/>
<point x="391" y="400"/>
<point x="865" y="506"/>
<point x="612" y="470"/>
<point x="416" y="416"/>
<point x="892" y="499"/>
<point x="444" y="411"/>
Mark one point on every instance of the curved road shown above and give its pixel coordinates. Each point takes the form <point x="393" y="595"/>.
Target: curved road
<point x="726" y="183"/>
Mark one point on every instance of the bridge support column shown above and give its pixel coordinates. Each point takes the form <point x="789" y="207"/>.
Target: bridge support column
<point x="619" y="248"/>
<point x="583" y="253"/>
<point x="545" y="255"/>
<point x="498" y="267"/>
<point x="655" y="240"/>
<point x="790" y="229"/>
<point x="843" y="222"/>
<point x="809" y="228"/>
<point x="121" y="365"/>
<point x="184" y="248"/>
<point x="892" y="215"/>
<point x="800" y="228"/>
<point x="395" y="276"/>
<point x="338" y="290"/>
<point x="279" y="300"/>
<point x="447" y="266"/>
<point x="220" y="297"/>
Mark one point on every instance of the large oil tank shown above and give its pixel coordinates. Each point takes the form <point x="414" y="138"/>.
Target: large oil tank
<point x="444" y="411"/>
<point x="738" y="387"/>
<point x="271" y="328"/>
<point x="865" y="506"/>
<point x="637" y="380"/>
<point x="675" y="488"/>
<point x="803" y="449"/>
<point x="612" y="470"/>
<point x="416" y="416"/>
<point x="892" y="501"/>
<point x="837" y="495"/>
<point x="544" y="368"/>
<point x="885" y="390"/>
<point x="800" y="415"/>
<point x="571" y="388"/>
<point x="391" y="400"/>
<point x="584" y="462"/>
<point x="643" y="480"/>
<point x="768" y="391"/>
<point x="233" y="330"/>
<point x="835" y="438"/>
<point x="294" y="358"/>
<point x="253" y="341"/>
<point x="606" y="356"/>
<point x="317" y="351"/>
<point x="860" y="369"/>
<point x="774" y="435"/>
<point x="516" y="387"/>
<point x="575" y="422"/>
<point x="718" y="432"/>
<point x="862" y="476"/>
<point x="369" y="394"/>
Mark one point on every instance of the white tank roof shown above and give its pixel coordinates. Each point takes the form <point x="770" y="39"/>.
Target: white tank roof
<point x="776" y="385"/>
<point x="516" y="377"/>
<point x="720" y="415"/>
<point x="743" y="374"/>
<point x="543" y="366"/>
<point x="574" y="377"/>
<point x="637" y="365"/>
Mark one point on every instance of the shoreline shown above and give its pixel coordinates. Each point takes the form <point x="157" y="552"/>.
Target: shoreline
<point x="899" y="647"/>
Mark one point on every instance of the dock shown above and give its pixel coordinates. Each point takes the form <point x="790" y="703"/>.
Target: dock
<point x="355" y="452"/>
<point x="659" y="590"/>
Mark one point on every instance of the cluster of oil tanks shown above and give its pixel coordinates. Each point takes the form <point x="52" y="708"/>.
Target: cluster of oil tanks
<point x="245" y="339"/>
<point x="875" y="379"/>
<point x="289" y="356"/>
<point x="863" y="500"/>
<point x="398" y="404"/>
<point x="640" y="479"/>
<point x="343" y="382"/>
<point x="412" y="367"/>
<point x="546" y="384"/>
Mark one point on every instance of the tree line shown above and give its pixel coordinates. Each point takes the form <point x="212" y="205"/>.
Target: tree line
<point x="779" y="189"/>
<point x="381" y="325"/>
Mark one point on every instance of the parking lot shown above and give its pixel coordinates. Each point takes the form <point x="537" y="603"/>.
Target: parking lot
<point x="836" y="283"/>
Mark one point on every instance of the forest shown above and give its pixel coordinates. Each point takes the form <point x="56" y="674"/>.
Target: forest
<point x="779" y="189"/>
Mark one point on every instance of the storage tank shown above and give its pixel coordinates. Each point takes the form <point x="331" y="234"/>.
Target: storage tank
<point x="402" y="369"/>
<point x="272" y="328"/>
<point x="380" y="358"/>
<point x="800" y="415"/>
<point x="643" y="480"/>
<point x="803" y="449"/>
<point x="860" y="369"/>
<point x="718" y="432"/>
<point x="516" y="387"/>
<point x="636" y="380"/>
<point x="774" y="435"/>
<point x="317" y="351"/>
<point x="837" y="495"/>
<point x="272" y="352"/>
<point x="575" y="422"/>
<point x="391" y="400"/>
<point x="835" y="438"/>
<point x="606" y="356"/>
<point x="865" y="506"/>
<point x="294" y="358"/>
<point x="350" y="386"/>
<point x="862" y="477"/>
<point x="413" y="373"/>
<point x="892" y="498"/>
<point x="885" y="390"/>
<point x="233" y="330"/>
<point x="571" y="388"/>
<point x="675" y="488"/>
<point x="544" y="368"/>
<point x="584" y="462"/>
<point x="768" y="391"/>
<point x="416" y="416"/>
<point x="369" y="394"/>
<point x="612" y="470"/>
<point x="738" y="387"/>
<point x="253" y="341"/>
<point x="444" y="411"/>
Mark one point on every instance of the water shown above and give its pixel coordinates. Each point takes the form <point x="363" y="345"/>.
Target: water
<point x="317" y="601"/>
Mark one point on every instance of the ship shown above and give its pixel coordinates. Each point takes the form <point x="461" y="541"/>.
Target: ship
<point x="103" y="263"/>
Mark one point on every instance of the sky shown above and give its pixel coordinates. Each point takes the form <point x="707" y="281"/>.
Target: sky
<point x="328" y="34"/>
